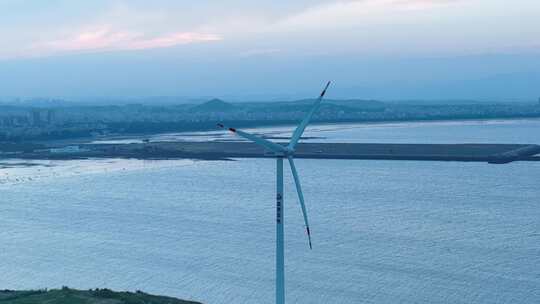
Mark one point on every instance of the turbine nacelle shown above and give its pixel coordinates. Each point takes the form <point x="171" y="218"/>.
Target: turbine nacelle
<point x="270" y="153"/>
<point x="290" y="151"/>
<point x="284" y="154"/>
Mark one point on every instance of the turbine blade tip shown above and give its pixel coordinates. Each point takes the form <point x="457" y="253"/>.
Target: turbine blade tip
<point x="309" y="238"/>
<point x="325" y="88"/>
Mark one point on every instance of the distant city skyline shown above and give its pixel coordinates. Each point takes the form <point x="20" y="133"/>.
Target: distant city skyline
<point x="380" y="49"/>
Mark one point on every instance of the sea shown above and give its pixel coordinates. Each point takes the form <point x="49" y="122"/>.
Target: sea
<point x="383" y="231"/>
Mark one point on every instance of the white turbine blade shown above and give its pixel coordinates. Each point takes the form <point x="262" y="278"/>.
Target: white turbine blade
<point x="302" y="126"/>
<point x="256" y="139"/>
<point x="300" y="197"/>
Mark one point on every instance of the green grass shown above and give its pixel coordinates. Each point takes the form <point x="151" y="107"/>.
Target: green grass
<point x="73" y="296"/>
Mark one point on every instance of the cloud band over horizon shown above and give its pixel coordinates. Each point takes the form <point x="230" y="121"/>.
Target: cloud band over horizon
<point x="121" y="47"/>
<point x="107" y="39"/>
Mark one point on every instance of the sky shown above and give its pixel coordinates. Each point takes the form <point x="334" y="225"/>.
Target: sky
<point x="244" y="50"/>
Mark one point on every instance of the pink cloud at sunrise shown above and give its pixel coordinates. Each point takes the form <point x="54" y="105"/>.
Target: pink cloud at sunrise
<point x="105" y="38"/>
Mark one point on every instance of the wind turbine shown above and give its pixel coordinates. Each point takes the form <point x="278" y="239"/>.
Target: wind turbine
<point x="280" y="152"/>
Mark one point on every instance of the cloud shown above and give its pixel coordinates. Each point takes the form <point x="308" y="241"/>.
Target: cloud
<point x="421" y="4"/>
<point x="106" y="38"/>
<point x="347" y="13"/>
<point x="259" y="52"/>
<point x="257" y="28"/>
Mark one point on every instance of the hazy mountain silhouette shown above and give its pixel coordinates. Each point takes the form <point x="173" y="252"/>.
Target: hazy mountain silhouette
<point x="214" y="105"/>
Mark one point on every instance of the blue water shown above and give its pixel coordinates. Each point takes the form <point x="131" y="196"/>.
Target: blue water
<point x="383" y="231"/>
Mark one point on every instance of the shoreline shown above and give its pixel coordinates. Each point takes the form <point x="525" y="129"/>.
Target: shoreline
<point x="91" y="140"/>
<point x="216" y="145"/>
<point x="230" y="150"/>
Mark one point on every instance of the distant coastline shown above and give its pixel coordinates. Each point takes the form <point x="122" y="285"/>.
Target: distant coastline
<point x="291" y="124"/>
<point x="40" y="149"/>
<point x="383" y="122"/>
<point x="43" y="124"/>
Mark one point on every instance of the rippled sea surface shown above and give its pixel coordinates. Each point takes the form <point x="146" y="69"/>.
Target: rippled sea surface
<point x="383" y="231"/>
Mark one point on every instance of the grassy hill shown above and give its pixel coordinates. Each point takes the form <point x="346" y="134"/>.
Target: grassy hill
<point x="93" y="296"/>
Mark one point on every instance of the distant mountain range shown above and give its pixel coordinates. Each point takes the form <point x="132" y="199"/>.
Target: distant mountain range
<point x="219" y="105"/>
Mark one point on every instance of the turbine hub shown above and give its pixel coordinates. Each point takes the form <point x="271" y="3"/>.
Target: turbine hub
<point x="289" y="151"/>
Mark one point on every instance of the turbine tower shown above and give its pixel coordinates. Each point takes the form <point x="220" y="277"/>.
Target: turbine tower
<point x="280" y="152"/>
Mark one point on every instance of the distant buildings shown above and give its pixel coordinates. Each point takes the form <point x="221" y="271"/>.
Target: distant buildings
<point x="36" y="119"/>
<point x="41" y="117"/>
<point x="50" y="117"/>
<point x="13" y="121"/>
<point x="27" y="118"/>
